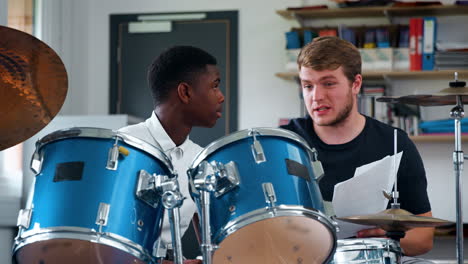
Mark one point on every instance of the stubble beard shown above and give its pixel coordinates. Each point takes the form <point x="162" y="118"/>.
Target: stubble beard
<point x="342" y="115"/>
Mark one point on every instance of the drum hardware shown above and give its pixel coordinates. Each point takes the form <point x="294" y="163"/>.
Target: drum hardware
<point x="149" y="187"/>
<point x="113" y="157"/>
<point x="159" y="251"/>
<point x="317" y="167"/>
<point x="24" y="221"/>
<point x="217" y="177"/>
<point x="172" y="201"/>
<point x="270" y="196"/>
<point x="36" y="162"/>
<point x="257" y="149"/>
<point x="102" y="216"/>
<point x="204" y="183"/>
<point x="24" y="218"/>
<point x="114" y="154"/>
<point x="34" y="85"/>
<point x="456" y="94"/>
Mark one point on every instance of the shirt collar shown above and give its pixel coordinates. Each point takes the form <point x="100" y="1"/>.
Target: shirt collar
<point x="160" y="135"/>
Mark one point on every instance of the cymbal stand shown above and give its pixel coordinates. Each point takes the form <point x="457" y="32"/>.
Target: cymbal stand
<point x="395" y="193"/>
<point x="457" y="113"/>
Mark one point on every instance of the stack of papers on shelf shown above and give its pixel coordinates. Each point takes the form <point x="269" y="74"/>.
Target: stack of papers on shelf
<point x="446" y="60"/>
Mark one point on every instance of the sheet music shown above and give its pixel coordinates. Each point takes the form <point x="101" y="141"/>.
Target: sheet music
<point x="362" y="194"/>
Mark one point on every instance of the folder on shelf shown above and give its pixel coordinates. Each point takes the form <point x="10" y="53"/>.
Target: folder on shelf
<point x="416" y="30"/>
<point x="429" y="40"/>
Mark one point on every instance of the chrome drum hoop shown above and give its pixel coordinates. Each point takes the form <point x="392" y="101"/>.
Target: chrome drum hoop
<point x="85" y="234"/>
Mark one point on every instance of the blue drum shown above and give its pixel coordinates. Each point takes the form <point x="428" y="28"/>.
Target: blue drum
<point x="258" y="197"/>
<point x="91" y="202"/>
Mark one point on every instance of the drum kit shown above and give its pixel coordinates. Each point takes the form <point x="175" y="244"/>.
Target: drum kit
<point x="99" y="195"/>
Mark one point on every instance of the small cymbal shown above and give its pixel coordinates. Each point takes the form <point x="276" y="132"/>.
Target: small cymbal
<point x="424" y="99"/>
<point x="454" y="91"/>
<point x="33" y="86"/>
<point x="395" y="220"/>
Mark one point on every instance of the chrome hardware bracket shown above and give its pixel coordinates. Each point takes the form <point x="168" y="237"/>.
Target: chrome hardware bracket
<point x="113" y="156"/>
<point x="227" y="177"/>
<point x="257" y="149"/>
<point x="36" y="161"/>
<point x="24" y="218"/>
<point x="270" y="195"/>
<point x="317" y="167"/>
<point x="102" y="215"/>
<point x="216" y="177"/>
<point x="145" y="190"/>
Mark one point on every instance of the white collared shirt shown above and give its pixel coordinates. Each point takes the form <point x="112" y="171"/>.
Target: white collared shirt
<point x="152" y="131"/>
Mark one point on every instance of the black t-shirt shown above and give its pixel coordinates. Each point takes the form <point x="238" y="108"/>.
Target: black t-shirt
<point x="372" y="144"/>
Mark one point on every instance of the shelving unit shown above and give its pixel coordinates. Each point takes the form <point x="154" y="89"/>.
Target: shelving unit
<point x="388" y="11"/>
<point x="437" y="138"/>
<point x="401" y="75"/>
<point x="436" y="10"/>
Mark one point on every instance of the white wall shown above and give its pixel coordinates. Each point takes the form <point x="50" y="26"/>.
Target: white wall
<point x="3" y="12"/>
<point x="85" y="51"/>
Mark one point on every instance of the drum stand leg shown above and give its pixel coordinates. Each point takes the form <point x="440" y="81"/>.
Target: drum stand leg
<point x="207" y="246"/>
<point x="458" y="113"/>
<point x="172" y="200"/>
<point x="174" y="219"/>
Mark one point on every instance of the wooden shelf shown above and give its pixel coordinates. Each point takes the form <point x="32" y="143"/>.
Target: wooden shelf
<point x="413" y="75"/>
<point x="437" y="138"/>
<point x="436" y="10"/>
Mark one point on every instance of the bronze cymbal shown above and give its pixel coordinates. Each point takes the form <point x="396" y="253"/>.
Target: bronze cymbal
<point x="395" y="220"/>
<point x="33" y="86"/>
<point x="438" y="99"/>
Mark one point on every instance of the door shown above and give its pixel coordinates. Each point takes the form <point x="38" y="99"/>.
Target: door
<point x="137" y="39"/>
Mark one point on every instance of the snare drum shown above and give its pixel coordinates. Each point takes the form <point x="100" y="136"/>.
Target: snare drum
<point x="265" y="205"/>
<point x="89" y="203"/>
<point x="367" y="250"/>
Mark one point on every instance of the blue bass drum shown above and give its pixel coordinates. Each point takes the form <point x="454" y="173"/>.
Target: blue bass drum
<point x="89" y="204"/>
<point x="264" y="202"/>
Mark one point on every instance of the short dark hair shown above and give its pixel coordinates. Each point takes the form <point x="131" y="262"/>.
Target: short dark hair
<point x="329" y="53"/>
<point x="175" y="65"/>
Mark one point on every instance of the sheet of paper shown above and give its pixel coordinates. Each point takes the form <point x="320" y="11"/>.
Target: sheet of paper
<point x="362" y="194"/>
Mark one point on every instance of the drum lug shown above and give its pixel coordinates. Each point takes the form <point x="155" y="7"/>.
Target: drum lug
<point x="102" y="215"/>
<point x="36" y="162"/>
<point x="317" y="166"/>
<point x="113" y="157"/>
<point x="257" y="149"/>
<point x="159" y="249"/>
<point x="24" y="218"/>
<point x="270" y="195"/>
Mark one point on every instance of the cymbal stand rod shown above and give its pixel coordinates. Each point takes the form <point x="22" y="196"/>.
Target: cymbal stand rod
<point x="207" y="246"/>
<point x="395" y="204"/>
<point x="457" y="113"/>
